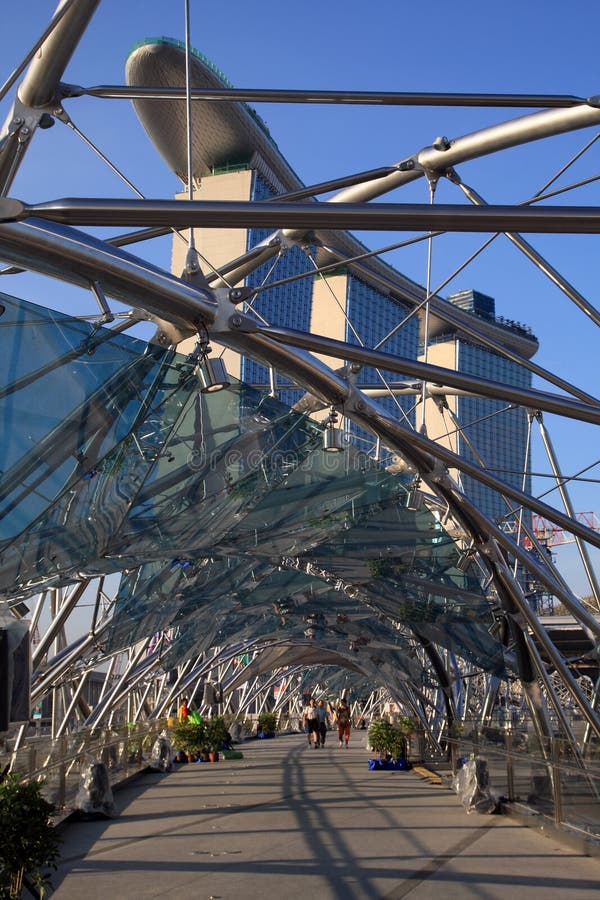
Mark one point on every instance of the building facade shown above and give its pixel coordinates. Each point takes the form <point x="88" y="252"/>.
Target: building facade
<point x="480" y="429"/>
<point x="235" y="158"/>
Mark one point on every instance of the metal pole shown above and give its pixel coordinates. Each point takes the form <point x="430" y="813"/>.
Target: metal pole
<point x="80" y="259"/>
<point x="40" y="84"/>
<point x="587" y="734"/>
<point x="59" y="618"/>
<point x="543" y="265"/>
<point x="60" y="12"/>
<point x="362" y="98"/>
<point x="564" y="494"/>
<point x="556" y="782"/>
<point x="63" y="726"/>
<point x="510" y="775"/>
<point x="305" y="215"/>
<point x="134" y="659"/>
<point x="472" y="384"/>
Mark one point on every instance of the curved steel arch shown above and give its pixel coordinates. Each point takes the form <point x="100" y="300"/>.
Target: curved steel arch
<point x="70" y="255"/>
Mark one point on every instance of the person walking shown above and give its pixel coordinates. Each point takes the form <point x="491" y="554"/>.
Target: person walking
<point x="342" y="718"/>
<point x="184" y="710"/>
<point x="324" y="721"/>
<point x="310" y="722"/>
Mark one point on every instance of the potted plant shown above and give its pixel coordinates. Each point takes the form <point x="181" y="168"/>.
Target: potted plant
<point x="216" y="736"/>
<point x="406" y="726"/>
<point x="190" y="738"/>
<point x="29" y="844"/>
<point x="386" y="740"/>
<point x="267" y="724"/>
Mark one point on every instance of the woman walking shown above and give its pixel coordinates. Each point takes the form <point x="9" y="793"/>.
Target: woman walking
<point x="342" y="718"/>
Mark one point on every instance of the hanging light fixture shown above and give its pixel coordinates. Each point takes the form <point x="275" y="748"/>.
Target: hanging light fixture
<point x="414" y="497"/>
<point x="212" y="373"/>
<point x="334" y="439"/>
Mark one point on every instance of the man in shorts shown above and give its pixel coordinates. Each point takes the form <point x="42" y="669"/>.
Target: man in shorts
<point x="310" y="722"/>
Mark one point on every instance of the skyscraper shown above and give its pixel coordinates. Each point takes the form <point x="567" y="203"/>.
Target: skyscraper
<point x="234" y="157"/>
<point x="477" y="428"/>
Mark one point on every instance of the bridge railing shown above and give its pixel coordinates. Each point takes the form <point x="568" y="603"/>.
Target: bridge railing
<point x="547" y="779"/>
<point x="124" y="749"/>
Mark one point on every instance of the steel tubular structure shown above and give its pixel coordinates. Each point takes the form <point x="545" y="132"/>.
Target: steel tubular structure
<point x="146" y="676"/>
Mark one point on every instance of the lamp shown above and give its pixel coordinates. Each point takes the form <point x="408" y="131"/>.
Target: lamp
<point x="414" y="497"/>
<point x="212" y="373"/>
<point x="20" y="610"/>
<point x="334" y="439"/>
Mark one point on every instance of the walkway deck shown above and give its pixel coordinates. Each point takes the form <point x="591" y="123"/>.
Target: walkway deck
<point x="291" y="822"/>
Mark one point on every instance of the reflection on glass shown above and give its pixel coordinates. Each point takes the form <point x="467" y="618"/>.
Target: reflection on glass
<point x="228" y="519"/>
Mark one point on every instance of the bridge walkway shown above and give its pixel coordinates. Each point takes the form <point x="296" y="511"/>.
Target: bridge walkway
<point x="291" y="822"/>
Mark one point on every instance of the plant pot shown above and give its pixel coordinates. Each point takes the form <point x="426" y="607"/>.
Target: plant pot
<point x="213" y="756"/>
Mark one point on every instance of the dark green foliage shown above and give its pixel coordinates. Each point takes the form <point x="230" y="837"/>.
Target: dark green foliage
<point x="380" y="568"/>
<point x="190" y="737"/>
<point x="216" y="733"/>
<point x="28" y="841"/>
<point x="267" y="722"/>
<point x="388" y="740"/>
<point x="406" y="724"/>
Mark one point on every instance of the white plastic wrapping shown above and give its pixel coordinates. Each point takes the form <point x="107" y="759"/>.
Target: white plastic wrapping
<point x="95" y="796"/>
<point x="161" y="758"/>
<point x="471" y="783"/>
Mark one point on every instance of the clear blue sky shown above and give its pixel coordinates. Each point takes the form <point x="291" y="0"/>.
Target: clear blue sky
<point x="516" y="47"/>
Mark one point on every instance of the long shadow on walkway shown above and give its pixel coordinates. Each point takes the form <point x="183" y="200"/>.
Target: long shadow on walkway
<point x="289" y="822"/>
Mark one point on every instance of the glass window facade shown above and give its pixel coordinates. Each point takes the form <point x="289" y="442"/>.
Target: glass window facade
<point x="373" y="315"/>
<point x="499" y="434"/>
<point x="288" y="305"/>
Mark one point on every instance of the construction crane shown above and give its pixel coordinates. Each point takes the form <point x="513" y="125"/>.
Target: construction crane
<point x="551" y="535"/>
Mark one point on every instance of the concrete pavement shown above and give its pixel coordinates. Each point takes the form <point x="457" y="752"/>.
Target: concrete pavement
<point x="291" y="822"/>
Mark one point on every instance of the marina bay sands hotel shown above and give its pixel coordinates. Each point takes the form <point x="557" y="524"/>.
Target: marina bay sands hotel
<point x="234" y="158"/>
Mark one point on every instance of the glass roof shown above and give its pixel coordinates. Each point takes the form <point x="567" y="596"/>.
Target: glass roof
<point x="227" y="518"/>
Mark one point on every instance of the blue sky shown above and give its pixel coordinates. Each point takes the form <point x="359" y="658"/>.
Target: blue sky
<point x="540" y="47"/>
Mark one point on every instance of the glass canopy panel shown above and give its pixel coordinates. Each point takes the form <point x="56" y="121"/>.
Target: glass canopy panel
<point x="69" y="392"/>
<point x="175" y="594"/>
<point x="301" y="608"/>
<point x="327" y="493"/>
<point x="71" y="534"/>
<point x="358" y="688"/>
<point x="403" y="564"/>
<point x="423" y="553"/>
<point x="136" y="465"/>
<point x="230" y="449"/>
<point x="322" y="679"/>
<point x="214" y="602"/>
